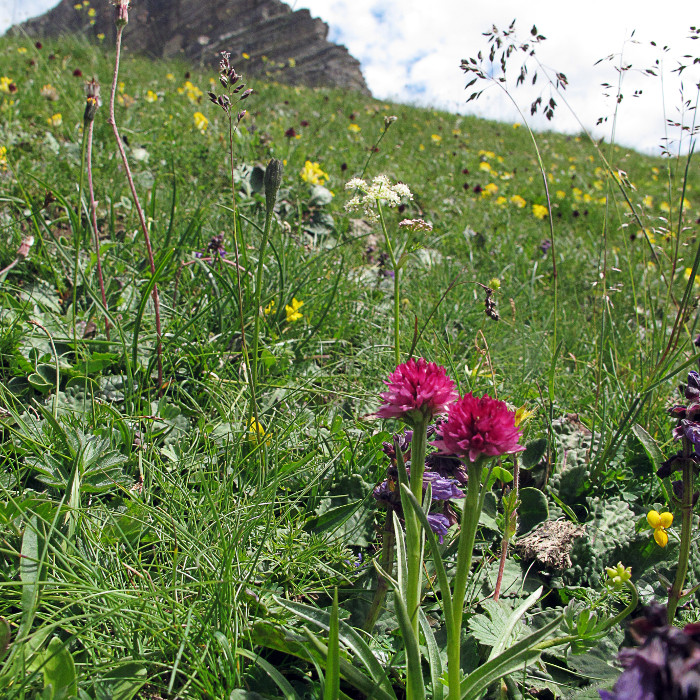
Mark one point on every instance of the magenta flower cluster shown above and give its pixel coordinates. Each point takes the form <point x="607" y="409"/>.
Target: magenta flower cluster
<point x="475" y="427"/>
<point x="417" y="390"/>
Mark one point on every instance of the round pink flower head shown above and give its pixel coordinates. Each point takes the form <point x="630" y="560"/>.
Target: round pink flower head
<point x="476" y="427"/>
<point x="417" y="390"/>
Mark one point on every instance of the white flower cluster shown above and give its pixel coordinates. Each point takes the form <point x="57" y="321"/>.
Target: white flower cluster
<point x="381" y="190"/>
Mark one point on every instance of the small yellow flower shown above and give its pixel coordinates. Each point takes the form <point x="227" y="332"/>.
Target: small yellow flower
<point x="689" y="271"/>
<point x="421" y="147"/>
<point x="245" y="56"/>
<point x="312" y="173"/>
<point x="489" y="190"/>
<point x="201" y="122"/>
<point x="664" y="207"/>
<point x="501" y="201"/>
<point x="256" y="432"/>
<point x="5" y="84"/>
<point x="3" y="158"/>
<point x="539" y="211"/>
<point x="169" y="76"/>
<point x="660" y="522"/>
<point x="561" y="194"/>
<point x="269" y="308"/>
<point x="55" y="120"/>
<point x="151" y="96"/>
<point x="22" y="49"/>
<point x="292" y="63"/>
<point x="92" y="12"/>
<point x="485" y="166"/>
<point x="618" y="575"/>
<point x="293" y="313"/>
<point x="101" y="36"/>
<point x="354" y="128"/>
<point x="435" y="138"/>
<point x="523" y="415"/>
<point x="518" y="201"/>
<point x="517" y="125"/>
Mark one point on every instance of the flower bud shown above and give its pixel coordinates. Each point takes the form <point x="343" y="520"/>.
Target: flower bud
<point x="273" y="180"/>
<point x="122" y="13"/>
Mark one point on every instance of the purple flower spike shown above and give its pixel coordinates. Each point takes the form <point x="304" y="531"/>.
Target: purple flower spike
<point x="692" y="390"/>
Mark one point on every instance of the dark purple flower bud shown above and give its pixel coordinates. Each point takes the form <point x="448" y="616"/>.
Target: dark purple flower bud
<point x="693" y="412"/>
<point x="213" y="97"/>
<point x="447" y="466"/>
<point x="442" y="489"/>
<point x="677" y="412"/>
<point x="403" y="440"/>
<point x="242" y="114"/>
<point x="696" y="342"/>
<point x="290" y="133"/>
<point x="223" y="80"/>
<point x="439" y="524"/>
<point x="692" y="390"/>
<point x="388" y="493"/>
<point x="673" y="464"/>
<point x="247" y="93"/>
<point x="545" y="246"/>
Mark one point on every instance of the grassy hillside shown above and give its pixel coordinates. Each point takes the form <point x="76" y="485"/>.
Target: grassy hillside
<point x="153" y="530"/>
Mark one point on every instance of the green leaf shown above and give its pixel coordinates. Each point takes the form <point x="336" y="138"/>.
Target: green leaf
<point x="511" y="660"/>
<point x="332" y="518"/>
<point x="649" y="444"/>
<point x="332" y="686"/>
<point x="5" y="637"/>
<point x="121" y="683"/>
<point x="533" y="508"/>
<point x="59" y="670"/>
<point x="348" y="637"/>
<point x="280" y="681"/>
<point x="31" y="568"/>
<point x="434" y="660"/>
<point x="534" y="451"/>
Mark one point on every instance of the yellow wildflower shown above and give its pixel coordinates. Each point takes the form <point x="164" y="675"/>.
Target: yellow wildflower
<point x="665" y="207"/>
<point x="561" y="194"/>
<point x="421" y="147"/>
<point x="269" y="308"/>
<point x="151" y="96"/>
<point x="256" y="432"/>
<point x="22" y="49"/>
<point x="92" y="12"/>
<point x="485" y="166"/>
<point x="517" y="125"/>
<point x="435" y="138"/>
<point x="169" y="76"/>
<point x="101" y="36"/>
<point x="355" y="128"/>
<point x="539" y="211"/>
<point x="201" y="122"/>
<point x="293" y="313"/>
<point x="501" y="201"/>
<point x="686" y="275"/>
<point x="55" y="120"/>
<point x="486" y="154"/>
<point x="489" y="190"/>
<point x="6" y="84"/>
<point x="245" y="56"/>
<point x="292" y="62"/>
<point x="3" y="158"/>
<point x="312" y="173"/>
<point x="523" y="415"/>
<point x="518" y="201"/>
<point x="660" y="522"/>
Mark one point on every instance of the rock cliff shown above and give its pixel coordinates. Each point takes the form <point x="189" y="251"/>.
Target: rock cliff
<point x="280" y="44"/>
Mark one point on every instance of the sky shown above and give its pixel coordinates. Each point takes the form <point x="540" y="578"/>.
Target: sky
<point x="411" y="50"/>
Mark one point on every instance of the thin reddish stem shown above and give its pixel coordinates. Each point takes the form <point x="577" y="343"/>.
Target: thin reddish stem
<point x="139" y="210"/>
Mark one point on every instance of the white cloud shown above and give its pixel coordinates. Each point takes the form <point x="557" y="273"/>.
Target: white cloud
<point x="410" y="51"/>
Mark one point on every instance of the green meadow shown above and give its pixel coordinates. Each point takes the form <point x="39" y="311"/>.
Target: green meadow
<point x="178" y="515"/>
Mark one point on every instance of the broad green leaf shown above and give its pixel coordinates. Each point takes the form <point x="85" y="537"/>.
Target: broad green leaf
<point x="121" y="683"/>
<point x="59" y="670"/>
<point x="533" y="508"/>
<point x="511" y="660"/>
<point x="280" y="681"/>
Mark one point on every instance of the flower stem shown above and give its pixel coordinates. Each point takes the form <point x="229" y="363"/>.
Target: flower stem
<point x="93" y="213"/>
<point x="397" y="299"/>
<point x="465" y="549"/>
<point x="142" y="219"/>
<point x="414" y="539"/>
<point x="674" y="594"/>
